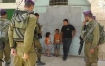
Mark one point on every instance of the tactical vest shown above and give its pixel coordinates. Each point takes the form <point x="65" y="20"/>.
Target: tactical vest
<point x="19" y="21"/>
<point x="4" y="25"/>
<point x="87" y="28"/>
<point x="37" y="29"/>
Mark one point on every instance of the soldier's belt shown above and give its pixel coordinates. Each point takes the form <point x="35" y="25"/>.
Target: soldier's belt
<point x="20" y="43"/>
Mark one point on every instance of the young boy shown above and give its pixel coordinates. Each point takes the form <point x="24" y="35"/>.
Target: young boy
<point x="57" y="41"/>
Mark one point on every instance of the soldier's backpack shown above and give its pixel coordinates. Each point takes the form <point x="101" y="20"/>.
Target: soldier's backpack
<point x="19" y="22"/>
<point x="102" y="34"/>
<point x="4" y="24"/>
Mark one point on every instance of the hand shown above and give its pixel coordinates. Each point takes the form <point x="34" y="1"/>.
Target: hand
<point x="13" y="52"/>
<point x="98" y="47"/>
<point x="25" y="56"/>
<point x="40" y="32"/>
<point x="91" y="50"/>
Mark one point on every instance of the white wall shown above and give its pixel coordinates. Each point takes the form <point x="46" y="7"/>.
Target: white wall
<point x="51" y="24"/>
<point x="42" y="7"/>
<point x="11" y="5"/>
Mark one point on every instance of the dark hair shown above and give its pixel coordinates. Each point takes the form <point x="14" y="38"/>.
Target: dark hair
<point x="3" y="13"/>
<point x="29" y="3"/>
<point x="36" y="14"/>
<point x="47" y="34"/>
<point x="89" y="15"/>
<point x="65" y="20"/>
<point x="57" y="30"/>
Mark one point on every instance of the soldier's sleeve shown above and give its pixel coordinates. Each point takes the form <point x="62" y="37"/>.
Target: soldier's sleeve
<point x="96" y="36"/>
<point x="40" y="27"/>
<point x="81" y="31"/>
<point x="29" y="34"/>
<point x="37" y="28"/>
<point x="10" y="35"/>
<point x="82" y="28"/>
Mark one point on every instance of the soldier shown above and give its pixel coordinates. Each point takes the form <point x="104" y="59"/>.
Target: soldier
<point x="4" y="42"/>
<point x="37" y="42"/>
<point x="94" y="17"/>
<point x="21" y="34"/>
<point x="91" y="39"/>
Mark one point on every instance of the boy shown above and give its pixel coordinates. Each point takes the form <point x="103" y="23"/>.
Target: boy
<point x="57" y="41"/>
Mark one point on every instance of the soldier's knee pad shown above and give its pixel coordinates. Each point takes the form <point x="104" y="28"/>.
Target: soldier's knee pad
<point x="40" y="50"/>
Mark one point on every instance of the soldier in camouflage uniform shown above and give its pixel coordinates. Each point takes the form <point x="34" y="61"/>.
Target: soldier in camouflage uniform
<point x="37" y="42"/>
<point x="91" y="42"/>
<point x="94" y="17"/>
<point x="4" y="25"/>
<point x="21" y="34"/>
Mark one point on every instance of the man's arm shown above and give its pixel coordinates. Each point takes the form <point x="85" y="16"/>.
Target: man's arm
<point x="73" y="33"/>
<point x="54" y="40"/>
<point x="96" y="36"/>
<point x="62" y="32"/>
<point x="10" y="35"/>
<point x="29" y="34"/>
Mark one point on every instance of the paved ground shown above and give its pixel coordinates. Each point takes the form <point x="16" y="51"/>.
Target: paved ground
<point x="72" y="61"/>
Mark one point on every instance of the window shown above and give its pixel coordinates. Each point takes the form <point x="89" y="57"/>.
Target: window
<point x="58" y="2"/>
<point x="7" y="1"/>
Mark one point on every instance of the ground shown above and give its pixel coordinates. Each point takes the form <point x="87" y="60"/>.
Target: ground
<point x="71" y="61"/>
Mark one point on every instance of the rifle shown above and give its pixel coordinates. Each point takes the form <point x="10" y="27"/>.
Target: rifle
<point x="81" y="45"/>
<point x="1" y="60"/>
<point x="81" y="42"/>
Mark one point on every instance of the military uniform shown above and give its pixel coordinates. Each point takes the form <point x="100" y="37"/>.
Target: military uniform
<point x="91" y="42"/>
<point x="38" y="44"/>
<point x="23" y="43"/>
<point x="6" y="51"/>
<point x="94" y="17"/>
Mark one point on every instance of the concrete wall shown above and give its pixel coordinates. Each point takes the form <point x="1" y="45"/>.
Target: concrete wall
<point x="73" y="12"/>
<point x="51" y="18"/>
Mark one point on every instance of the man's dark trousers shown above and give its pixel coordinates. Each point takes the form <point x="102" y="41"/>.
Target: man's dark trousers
<point x="66" y="46"/>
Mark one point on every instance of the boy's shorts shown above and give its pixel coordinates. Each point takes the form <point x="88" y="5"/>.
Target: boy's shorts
<point x="56" y="46"/>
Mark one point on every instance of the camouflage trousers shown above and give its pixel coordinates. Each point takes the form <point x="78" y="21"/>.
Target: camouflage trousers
<point x="91" y="59"/>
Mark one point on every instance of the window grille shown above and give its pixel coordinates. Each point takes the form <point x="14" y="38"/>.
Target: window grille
<point x="58" y="2"/>
<point x="8" y="1"/>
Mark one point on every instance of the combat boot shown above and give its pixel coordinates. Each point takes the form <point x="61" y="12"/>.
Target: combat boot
<point x="39" y="63"/>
